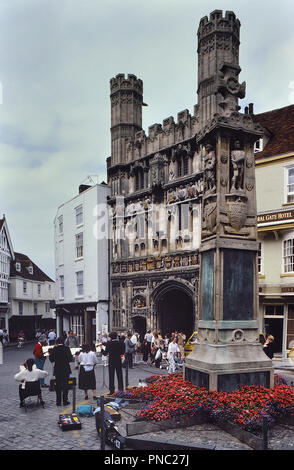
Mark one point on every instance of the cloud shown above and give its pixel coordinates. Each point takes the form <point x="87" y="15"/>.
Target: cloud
<point x="57" y="57"/>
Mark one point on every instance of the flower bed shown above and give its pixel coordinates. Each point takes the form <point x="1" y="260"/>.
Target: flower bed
<point x="171" y="396"/>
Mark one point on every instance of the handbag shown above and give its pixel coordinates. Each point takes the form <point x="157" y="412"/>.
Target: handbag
<point x="158" y="354"/>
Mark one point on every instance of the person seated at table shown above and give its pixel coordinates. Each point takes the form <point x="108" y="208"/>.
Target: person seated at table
<point x="29" y="373"/>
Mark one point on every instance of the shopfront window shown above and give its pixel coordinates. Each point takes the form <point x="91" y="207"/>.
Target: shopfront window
<point x="260" y="258"/>
<point x="290" y="328"/>
<point x="274" y="310"/>
<point x="77" y="326"/>
<point x="273" y="324"/>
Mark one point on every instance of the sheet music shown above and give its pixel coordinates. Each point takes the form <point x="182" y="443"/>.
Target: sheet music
<point x="75" y="350"/>
<point x="45" y="350"/>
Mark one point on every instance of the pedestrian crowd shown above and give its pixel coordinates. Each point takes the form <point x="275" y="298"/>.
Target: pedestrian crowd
<point x="121" y="351"/>
<point x="168" y="349"/>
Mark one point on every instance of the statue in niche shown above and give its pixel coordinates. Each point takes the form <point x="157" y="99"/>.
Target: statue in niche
<point x="237" y="159"/>
<point x="171" y="170"/>
<point x="209" y="168"/>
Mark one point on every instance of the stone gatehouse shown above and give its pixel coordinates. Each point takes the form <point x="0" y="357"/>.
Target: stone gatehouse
<point x="156" y="184"/>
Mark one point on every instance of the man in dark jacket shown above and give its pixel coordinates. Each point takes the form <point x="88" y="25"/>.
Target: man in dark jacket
<point x="114" y="349"/>
<point x="129" y="349"/>
<point x="61" y="356"/>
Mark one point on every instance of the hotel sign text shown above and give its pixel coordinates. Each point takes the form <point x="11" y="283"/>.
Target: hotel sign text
<point x="275" y="217"/>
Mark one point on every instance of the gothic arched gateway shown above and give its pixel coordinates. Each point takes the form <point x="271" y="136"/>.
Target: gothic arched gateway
<point x="174" y="308"/>
<point x="139" y="325"/>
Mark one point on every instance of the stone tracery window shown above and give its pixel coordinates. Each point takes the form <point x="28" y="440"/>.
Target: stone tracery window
<point x="139" y="179"/>
<point x="182" y="165"/>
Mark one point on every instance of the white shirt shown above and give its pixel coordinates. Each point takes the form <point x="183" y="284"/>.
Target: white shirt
<point x="51" y="335"/>
<point x="88" y="360"/>
<point x="134" y="339"/>
<point x="30" y="376"/>
<point x="149" y="337"/>
<point x="172" y="348"/>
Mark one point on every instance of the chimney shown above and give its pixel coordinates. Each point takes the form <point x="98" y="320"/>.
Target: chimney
<point x="251" y="108"/>
<point x="83" y="187"/>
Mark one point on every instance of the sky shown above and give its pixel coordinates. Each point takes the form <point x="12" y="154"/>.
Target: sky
<point x="56" y="60"/>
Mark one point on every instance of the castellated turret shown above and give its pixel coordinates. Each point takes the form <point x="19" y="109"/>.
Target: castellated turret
<point x="218" y="64"/>
<point x="126" y="95"/>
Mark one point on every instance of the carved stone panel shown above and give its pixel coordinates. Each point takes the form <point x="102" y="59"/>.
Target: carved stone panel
<point x="237" y="212"/>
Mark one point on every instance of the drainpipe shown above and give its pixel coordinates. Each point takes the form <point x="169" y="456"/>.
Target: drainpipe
<point x="284" y="338"/>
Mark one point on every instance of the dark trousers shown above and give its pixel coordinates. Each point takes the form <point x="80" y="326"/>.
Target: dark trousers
<point x="112" y="368"/>
<point x="146" y="351"/>
<point x="61" y="389"/>
<point x="129" y="359"/>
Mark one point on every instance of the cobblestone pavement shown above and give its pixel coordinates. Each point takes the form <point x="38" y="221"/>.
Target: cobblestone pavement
<point x="37" y="429"/>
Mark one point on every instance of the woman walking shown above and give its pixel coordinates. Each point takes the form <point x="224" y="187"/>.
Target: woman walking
<point x="87" y="380"/>
<point x="173" y="349"/>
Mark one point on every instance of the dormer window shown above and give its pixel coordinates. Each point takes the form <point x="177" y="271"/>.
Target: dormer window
<point x="18" y="267"/>
<point x="31" y="270"/>
<point x="258" y="146"/>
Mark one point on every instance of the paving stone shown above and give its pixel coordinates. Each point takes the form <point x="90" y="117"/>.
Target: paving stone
<point x="38" y="428"/>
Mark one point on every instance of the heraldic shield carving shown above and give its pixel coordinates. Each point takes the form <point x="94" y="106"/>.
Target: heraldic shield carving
<point x="237" y="211"/>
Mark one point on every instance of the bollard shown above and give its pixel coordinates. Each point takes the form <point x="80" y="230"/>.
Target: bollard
<point x="74" y="399"/>
<point x="127" y="374"/>
<point x="102" y="422"/>
<point x="104" y="365"/>
<point x="265" y="433"/>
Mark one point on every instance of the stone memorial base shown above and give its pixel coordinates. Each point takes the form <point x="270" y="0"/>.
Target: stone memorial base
<point x="228" y="367"/>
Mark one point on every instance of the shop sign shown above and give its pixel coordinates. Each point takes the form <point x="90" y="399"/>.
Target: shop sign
<point x="287" y="289"/>
<point x="275" y="217"/>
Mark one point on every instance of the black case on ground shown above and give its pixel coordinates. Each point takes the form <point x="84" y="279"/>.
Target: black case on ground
<point x="69" y="422"/>
<point x="70" y="384"/>
<point x="112" y="436"/>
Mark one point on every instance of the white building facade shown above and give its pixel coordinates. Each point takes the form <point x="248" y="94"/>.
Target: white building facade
<point x="82" y="263"/>
<point x="6" y="255"/>
<point x="275" y="203"/>
<point x="31" y="296"/>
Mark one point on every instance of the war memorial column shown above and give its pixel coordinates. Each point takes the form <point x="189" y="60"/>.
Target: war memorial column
<point x="228" y="354"/>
